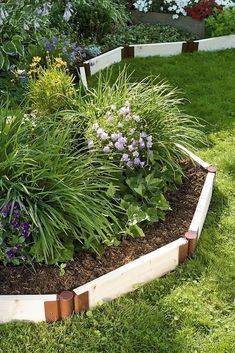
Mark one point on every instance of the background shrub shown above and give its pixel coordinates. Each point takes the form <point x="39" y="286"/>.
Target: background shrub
<point x="221" y="23"/>
<point x="139" y="34"/>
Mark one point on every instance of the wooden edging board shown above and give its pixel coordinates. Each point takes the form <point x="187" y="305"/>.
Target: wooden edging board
<point x="105" y="60"/>
<point x="124" y="279"/>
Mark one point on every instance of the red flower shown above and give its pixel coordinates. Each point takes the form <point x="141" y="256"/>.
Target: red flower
<point x="203" y="9"/>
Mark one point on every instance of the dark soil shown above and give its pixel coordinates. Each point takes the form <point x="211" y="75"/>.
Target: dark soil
<point x="86" y="267"/>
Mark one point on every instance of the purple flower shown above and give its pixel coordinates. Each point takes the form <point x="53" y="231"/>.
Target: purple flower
<point x="129" y="164"/>
<point x="106" y="149"/>
<point x="25" y="233"/>
<point x="16" y="206"/>
<point x="137" y="161"/>
<point x="17" y="247"/>
<point x="143" y="134"/>
<point x="127" y="118"/>
<point x="122" y="140"/>
<point x="10" y="253"/>
<point x="132" y="130"/>
<point x="15" y="224"/>
<point x="136" y="154"/>
<point x="110" y="119"/>
<point x="150" y="153"/>
<point x="45" y="40"/>
<point x="131" y="148"/>
<point x="23" y="77"/>
<point x="119" y="146"/>
<point x="141" y="143"/>
<point x="68" y="12"/>
<point x="127" y="103"/>
<point x="49" y="47"/>
<point x="149" y="144"/>
<point x="136" y="118"/>
<point x="149" y="138"/>
<point x="114" y="137"/>
<point x="120" y="124"/>
<point x="125" y="157"/>
<point x="16" y="213"/>
<point x="104" y="136"/>
<point x="55" y="40"/>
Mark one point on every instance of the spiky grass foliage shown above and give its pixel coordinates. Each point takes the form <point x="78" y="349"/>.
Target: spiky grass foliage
<point x="158" y="105"/>
<point x="63" y="192"/>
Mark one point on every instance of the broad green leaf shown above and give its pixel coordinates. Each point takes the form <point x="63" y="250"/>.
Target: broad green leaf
<point x="19" y="46"/>
<point x="9" y="48"/>
<point x="6" y="64"/>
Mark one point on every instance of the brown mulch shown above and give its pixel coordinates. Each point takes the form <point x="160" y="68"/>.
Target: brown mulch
<point x="86" y="267"/>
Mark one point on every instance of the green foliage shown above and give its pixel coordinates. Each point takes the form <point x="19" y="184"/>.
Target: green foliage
<point x="191" y="309"/>
<point x="64" y="190"/>
<point x="221" y="23"/>
<point x="50" y="89"/>
<point x="94" y="18"/>
<point x="21" y="23"/>
<point x="142" y="33"/>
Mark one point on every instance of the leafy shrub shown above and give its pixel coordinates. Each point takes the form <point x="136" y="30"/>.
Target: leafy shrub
<point x="91" y="19"/>
<point x="63" y="192"/>
<point x="139" y="34"/>
<point x="21" y="22"/>
<point x="221" y="23"/>
<point x="50" y="89"/>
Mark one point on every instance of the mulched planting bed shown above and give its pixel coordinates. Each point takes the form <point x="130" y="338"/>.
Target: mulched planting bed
<point x="44" y="279"/>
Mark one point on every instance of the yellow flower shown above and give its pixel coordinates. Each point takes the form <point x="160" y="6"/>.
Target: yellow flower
<point x="36" y="59"/>
<point x="59" y="62"/>
<point x="56" y="82"/>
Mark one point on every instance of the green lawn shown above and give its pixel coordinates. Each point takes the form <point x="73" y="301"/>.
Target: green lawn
<point x="191" y="310"/>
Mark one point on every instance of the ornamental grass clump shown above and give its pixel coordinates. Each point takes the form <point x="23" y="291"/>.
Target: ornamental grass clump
<point x="62" y="192"/>
<point x="50" y="88"/>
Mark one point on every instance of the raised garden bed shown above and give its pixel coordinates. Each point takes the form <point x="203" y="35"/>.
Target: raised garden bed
<point x="101" y="278"/>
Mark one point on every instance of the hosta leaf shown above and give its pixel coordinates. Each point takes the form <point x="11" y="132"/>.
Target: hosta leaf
<point x="19" y="46"/>
<point x="9" y="48"/>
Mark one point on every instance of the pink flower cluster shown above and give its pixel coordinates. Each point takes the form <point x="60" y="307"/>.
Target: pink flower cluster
<point x="121" y="132"/>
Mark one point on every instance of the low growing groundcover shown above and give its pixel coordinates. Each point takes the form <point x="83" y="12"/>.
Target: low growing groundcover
<point x="191" y="310"/>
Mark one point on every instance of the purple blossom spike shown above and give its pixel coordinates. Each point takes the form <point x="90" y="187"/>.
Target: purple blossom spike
<point x="68" y="12"/>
